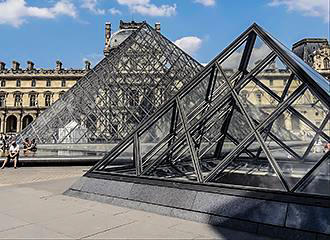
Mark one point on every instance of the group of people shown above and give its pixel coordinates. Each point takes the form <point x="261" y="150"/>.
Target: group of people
<point x="12" y="148"/>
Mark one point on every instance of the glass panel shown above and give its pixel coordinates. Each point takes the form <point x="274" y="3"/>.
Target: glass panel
<point x="247" y="171"/>
<point x="231" y="64"/>
<point x="156" y="138"/>
<point x="238" y="127"/>
<point x="257" y="102"/>
<point x="319" y="182"/>
<point x="123" y="162"/>
<point x="177" y="165"/>
<point x="259" y="52"/>
<point x="194" y="99"/>
<point x="292" y="167"/>
<point x="310" y="107"/>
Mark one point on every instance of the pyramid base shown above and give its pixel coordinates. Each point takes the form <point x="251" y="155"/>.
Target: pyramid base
<point x="269" y="217"/>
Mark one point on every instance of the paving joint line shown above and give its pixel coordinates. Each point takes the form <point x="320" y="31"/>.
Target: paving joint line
<point x="109" y="229"/>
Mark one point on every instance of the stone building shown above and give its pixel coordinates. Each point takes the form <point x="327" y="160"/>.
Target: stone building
<point x="25" y="93"/>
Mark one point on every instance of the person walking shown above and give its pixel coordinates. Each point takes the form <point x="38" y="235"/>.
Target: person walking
<point x="13" y="154"/>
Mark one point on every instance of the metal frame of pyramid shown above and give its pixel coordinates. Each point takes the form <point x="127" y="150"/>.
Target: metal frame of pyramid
<point x="223" y="139"/>
<point x="120" y="92"/>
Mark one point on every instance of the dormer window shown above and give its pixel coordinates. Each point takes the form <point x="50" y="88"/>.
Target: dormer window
<point x="326" y="63"/>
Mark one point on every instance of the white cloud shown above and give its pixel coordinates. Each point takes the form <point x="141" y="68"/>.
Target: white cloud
<point x="258" y="53"/>
<point x="206" y="3"/>
<point x="91" y="6"/>
<point x="144" y="7"/>
<point x="114" y="11"/>
<point x="190" y="44"/>
<point x="153" y="10"/>
<point x="15" y="12"/>
<point x="317" y="8"/>
<point x="93" y="58"/>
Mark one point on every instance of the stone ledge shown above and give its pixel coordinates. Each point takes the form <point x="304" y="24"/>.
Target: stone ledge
<point x="264" y="217"/>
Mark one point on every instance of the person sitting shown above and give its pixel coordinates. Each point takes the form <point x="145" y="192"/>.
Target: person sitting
<point x="26" y="145"/>
<point x="33" y="146"/>
<point x="13" y="154"/>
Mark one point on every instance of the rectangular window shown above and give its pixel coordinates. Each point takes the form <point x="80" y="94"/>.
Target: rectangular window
<point x="48" y="83"/>
<point x="18" y="83"/>
<point x="63" y="83"/>
<point x="258" y="97"/>
<point x="17" y="102"/>
<point x="2" y="101"/>
<point x="271" y="82"/>
<point x="32" y="100"/>
<point x="47" y="100"/>
<point x="33" y="83"/>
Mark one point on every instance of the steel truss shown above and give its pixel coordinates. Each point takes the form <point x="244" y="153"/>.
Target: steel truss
<point x="120" y="92"/>
<point x="223" y="138"/>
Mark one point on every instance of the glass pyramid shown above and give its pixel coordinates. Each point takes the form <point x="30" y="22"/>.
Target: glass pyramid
<point x="238" y="131"/>
<point x="122" y="90"/>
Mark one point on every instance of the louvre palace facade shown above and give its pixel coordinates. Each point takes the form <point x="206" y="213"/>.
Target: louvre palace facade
<point x="25" y="93"/>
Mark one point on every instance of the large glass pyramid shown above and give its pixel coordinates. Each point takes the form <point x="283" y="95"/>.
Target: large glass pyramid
<point x="122" y="90"/>
<point x="227" y="127"/>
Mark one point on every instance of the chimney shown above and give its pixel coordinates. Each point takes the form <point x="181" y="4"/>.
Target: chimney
<point x="157" y="26"/>
<point x="2" y="66"/>
<point x="87" y="65"/>
<point x="15" y="66"/>
<point x="58" y="65"/>
<point x="30" y="65"/>
<point x="107" y="38"/>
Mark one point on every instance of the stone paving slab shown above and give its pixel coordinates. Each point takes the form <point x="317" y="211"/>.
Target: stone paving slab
<point x="36" y="209"/>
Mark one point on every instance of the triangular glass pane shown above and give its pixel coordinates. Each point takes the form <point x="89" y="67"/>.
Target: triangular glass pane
<point x="258" y="103"/>
<point x="252" y="172"/>
<point x="238" y="126"/>
<point x="291" y="166"/>
<point x="123" y="162"/>
<point x="231" y="64"/>
<point x="208" y="134"/>
<point x="319" y="181"/>
<point x="177" y="165"/>
<point x="311" y="107"/>
<point x="259" y="52"/>
<point x="156" y="138"/>
<point x="194" y="101"/>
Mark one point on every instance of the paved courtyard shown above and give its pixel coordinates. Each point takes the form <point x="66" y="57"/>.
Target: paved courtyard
<point x="32" y="206"/>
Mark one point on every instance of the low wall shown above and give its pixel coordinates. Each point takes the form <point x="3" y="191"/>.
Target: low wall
<point x="266" y="217"/>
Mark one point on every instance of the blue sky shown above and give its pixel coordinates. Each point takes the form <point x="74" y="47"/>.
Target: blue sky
<point x="73" y="30"/>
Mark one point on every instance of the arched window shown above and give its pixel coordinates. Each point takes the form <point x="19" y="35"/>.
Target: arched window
<point x="26" y="121"/>
<point x="61" y="94"/>
<point x="3" y="83"/>
<point x="326" y="63"/>
<point x="11" y="124"/>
